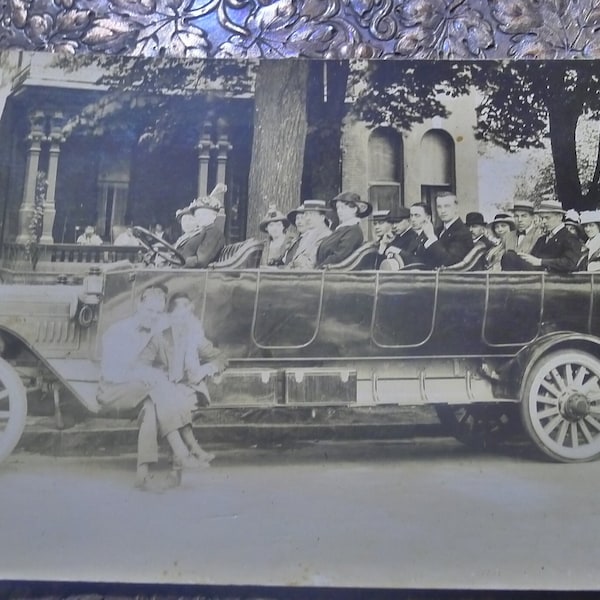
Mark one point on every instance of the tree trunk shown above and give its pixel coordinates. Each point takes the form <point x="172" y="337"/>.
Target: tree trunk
<point x="563" y="123"/>
<point x="322" y="175"/>
<point x="279" y="139"/>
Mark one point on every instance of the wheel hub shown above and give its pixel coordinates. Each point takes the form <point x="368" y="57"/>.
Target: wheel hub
<point x="576" y="406"/>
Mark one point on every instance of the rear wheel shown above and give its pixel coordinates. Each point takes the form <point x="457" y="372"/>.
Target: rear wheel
<point x="13" y="408"/>
<point x="561" y="406"/>
<point x="479" y="426"/>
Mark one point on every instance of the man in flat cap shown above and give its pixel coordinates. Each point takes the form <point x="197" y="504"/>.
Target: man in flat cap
<point x="558" y="250"/>
<point x="394" y="234"/>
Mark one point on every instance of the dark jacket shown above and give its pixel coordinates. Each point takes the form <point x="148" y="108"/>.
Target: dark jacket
<point x="451" y="246"/>
<point x="203" y="247"/>
<point x="560" y="253"/>
<point x="339" y="245"/>
<point x="407" y="242"/>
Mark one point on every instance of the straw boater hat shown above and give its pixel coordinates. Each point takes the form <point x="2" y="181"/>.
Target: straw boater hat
<point x="273" y="216"/>
<point x="590" y="216"/>
<point x="352" y="198"/>
<point x="474" y="218"/>
<point x="503" y="218"/>
<point x="550" y="204"/>
<point x="312" y="205"/>
<point x="524" y="205"/>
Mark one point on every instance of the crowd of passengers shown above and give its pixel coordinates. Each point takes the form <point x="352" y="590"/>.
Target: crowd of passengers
<point x="543" y="237"/>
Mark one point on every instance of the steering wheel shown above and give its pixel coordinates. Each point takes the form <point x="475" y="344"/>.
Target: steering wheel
<point x="159" y="247"/>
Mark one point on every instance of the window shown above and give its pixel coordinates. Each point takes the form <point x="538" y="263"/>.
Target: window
<point x="437" y="166"/>
<point x="385" y="169"/>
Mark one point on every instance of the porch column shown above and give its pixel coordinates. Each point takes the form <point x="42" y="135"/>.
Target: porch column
<point x="56" y="139"/>
<point x="35" y="138"/>
<point x="223" y="149"/>
<point x="204" y="147"/>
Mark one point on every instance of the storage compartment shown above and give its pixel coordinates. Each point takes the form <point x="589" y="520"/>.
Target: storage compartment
<point x="256" y="387"/>
<point x="316" y="386"/>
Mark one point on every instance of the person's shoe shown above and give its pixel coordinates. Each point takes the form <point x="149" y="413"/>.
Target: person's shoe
<point x="202" y="454"/>
<point x="149" y="483"/>
<point x="189" y="462"/>
<point x="174" y="478"/>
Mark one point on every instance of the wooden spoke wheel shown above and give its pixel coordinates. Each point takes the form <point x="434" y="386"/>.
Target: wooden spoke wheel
<point x="480" y="426"/>
<point x="561" y="406"/>
<point x="13" y="408"/>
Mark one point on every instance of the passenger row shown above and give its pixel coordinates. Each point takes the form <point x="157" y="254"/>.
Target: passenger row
<point x="531" y="238"/>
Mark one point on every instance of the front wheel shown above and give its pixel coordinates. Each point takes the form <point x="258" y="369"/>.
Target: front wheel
<point x="13" y="408"/>
<point x="561" y="406"/>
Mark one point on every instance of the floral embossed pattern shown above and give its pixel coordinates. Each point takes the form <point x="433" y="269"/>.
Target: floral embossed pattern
<point x="458" y="29"/>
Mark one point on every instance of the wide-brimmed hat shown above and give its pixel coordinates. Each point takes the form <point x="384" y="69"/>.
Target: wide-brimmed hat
<point x="589" y="216"/>
<point x="474" y="218"/>
<point x="312" y="205"/>
<point x="524" y="205"/>
<point x="572" y="217"/>
<point x="550" y="204"/>
<point x="353" y="199"/>
<point x="273" y="216"/>
<point x="182" y="212"/>
<point x="503" y="218"/>
<point x="214" y="201"/>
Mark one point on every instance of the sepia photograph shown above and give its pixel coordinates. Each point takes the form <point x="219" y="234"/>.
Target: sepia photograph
<point x="310" y="323"/>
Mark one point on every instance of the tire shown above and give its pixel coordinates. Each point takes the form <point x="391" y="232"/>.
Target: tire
<point x="13" y="409"/>
<point x="561" y="406"/>
<point x="480" y="426"/>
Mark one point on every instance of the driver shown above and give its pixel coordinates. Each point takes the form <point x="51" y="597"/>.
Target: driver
<point x="204" y="240"/>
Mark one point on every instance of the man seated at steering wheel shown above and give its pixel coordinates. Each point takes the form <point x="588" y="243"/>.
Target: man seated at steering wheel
<point x="204" y="242"/>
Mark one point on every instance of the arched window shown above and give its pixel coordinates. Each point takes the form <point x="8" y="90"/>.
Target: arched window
<point x="385" y="169"/>
<point x="437" y="165"/>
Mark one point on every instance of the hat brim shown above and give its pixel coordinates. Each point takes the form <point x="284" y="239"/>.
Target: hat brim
<point x="263" y="224"/>
<point x="511" y="224"/>
<point x="291" y="216"/>
<point x="182" y="212"/>
<point x="529" y="209"/>
<point x="364" y="208"/>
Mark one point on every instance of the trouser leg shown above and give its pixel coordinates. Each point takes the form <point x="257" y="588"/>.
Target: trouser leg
<point x="148" y="434"/>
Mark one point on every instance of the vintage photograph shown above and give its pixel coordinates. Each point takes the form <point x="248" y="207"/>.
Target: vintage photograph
<point x="299" y="322"/>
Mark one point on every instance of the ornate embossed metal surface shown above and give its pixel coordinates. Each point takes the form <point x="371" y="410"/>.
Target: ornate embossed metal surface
<point x="423" y="29"/>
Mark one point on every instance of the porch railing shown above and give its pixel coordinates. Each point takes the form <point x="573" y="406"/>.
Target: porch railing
<point x="17" y="256"/>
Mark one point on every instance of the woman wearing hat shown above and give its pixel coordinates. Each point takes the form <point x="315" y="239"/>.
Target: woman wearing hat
<point x="590" y="219"/>
<point x="201" y="245"/>
<point x="503" y="228"/>
<point x="275" y="225"/>
<point x="348" y="235"/>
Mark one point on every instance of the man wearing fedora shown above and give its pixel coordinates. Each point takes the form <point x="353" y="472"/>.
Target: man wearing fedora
<point x="310" y="220"/>
<point x="204" y="242"/>
<point x="450" y="242"/>
<point x="348" y="235"/>
<point x="526" y="228"/>
<point x="393" y="233"/>
<point x="558" y="250"/>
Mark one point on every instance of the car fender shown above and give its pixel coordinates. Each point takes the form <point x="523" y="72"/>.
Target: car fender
<point x="526" y="359"/>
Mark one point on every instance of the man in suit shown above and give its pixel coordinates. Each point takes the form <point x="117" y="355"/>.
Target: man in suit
<point x="310" y="220"/>
<point x="527" y="230"/>
<point x="557" y="251"/>
<point x="449" y="243"/>
<point x="393" y="232"/>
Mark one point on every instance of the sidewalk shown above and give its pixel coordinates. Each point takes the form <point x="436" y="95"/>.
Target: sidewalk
<point x="238" y="428"/>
